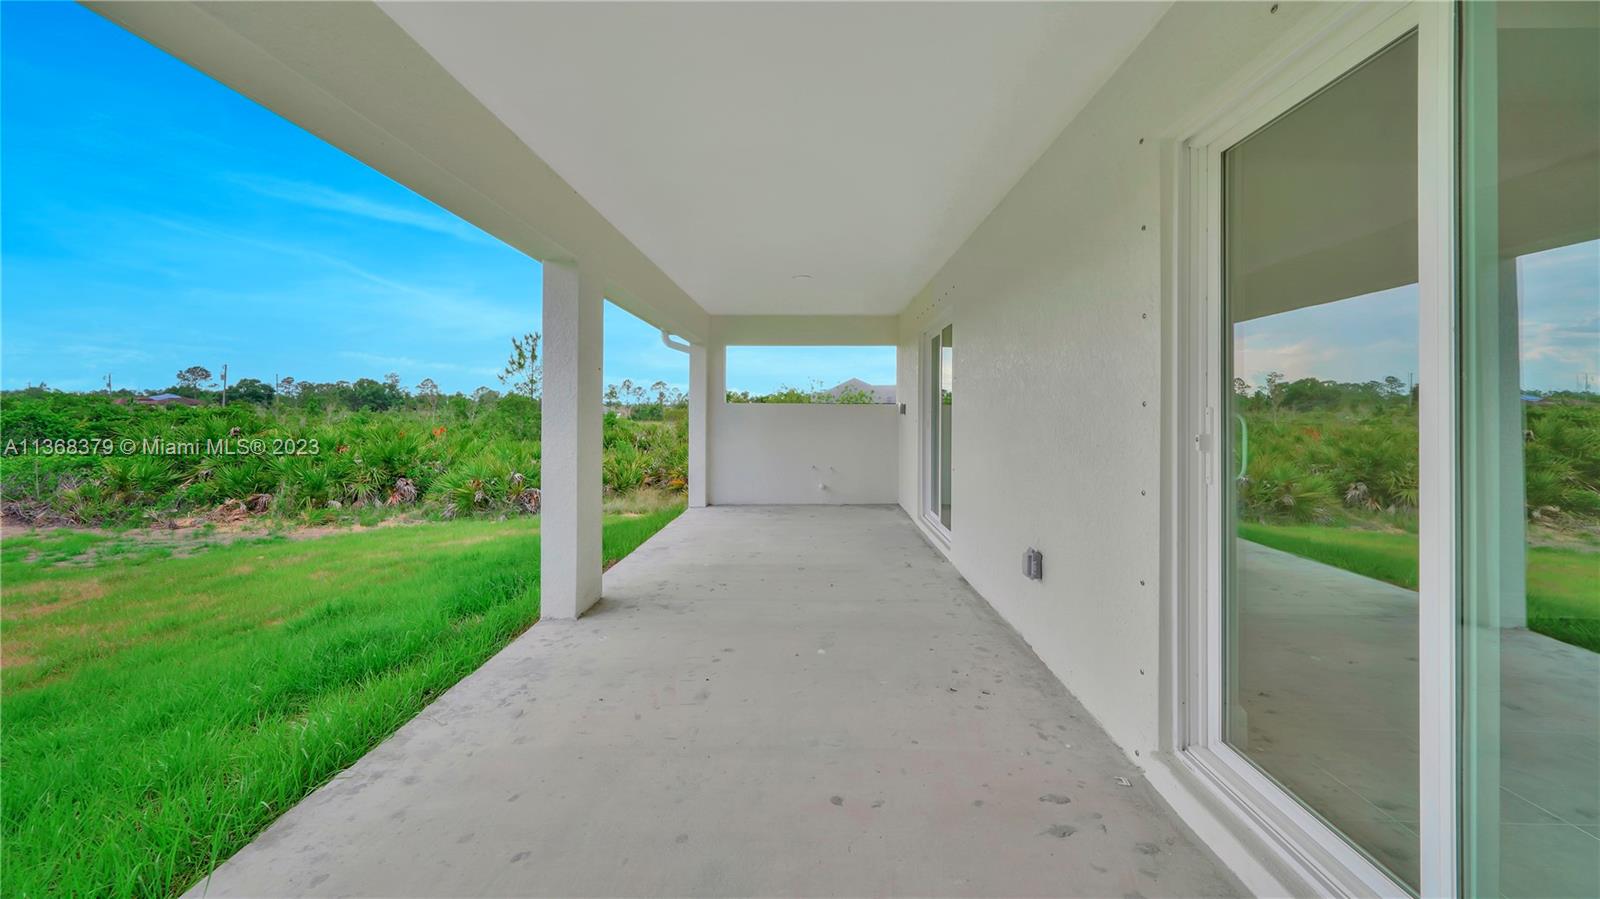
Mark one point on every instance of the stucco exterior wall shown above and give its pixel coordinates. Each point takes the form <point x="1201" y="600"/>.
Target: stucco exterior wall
<point x="1057" y="305"/>
<point x="828" y="454"/>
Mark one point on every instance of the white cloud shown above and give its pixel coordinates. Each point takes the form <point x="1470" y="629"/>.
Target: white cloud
<point x="315" y="196"/>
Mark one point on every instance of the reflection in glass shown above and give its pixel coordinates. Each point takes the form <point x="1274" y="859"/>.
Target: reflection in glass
<point x="1530" y="295"/>
<point x="1320" y="292"/>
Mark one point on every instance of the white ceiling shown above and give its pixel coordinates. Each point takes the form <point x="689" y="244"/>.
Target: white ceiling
<point x="741" y="144"/>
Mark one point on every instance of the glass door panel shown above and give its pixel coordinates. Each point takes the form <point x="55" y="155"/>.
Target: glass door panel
<point x="941" y="404"/>
<point x="1321" y="534"/>
<point x="947" y="395"/>
<point x="1530" y="488"/>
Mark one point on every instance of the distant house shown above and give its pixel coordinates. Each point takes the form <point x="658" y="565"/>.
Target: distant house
<point x="880" y="393"/>
<point x="165" y="399"/>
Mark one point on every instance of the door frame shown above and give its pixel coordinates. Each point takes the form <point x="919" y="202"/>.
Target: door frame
<point x="928" y="500"/>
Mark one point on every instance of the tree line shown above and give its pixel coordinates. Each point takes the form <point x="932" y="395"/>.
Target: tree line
<point x="522" y="376"/>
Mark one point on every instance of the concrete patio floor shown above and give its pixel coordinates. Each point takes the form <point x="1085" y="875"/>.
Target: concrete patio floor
<point x="769" y="701"/>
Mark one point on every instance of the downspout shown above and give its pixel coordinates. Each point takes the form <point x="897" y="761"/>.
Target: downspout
<point x="669" y="343"/>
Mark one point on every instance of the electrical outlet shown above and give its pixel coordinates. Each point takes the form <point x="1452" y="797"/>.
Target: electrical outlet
<point x="1033" y="564"/>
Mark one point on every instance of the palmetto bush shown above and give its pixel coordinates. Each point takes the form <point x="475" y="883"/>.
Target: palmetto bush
<point x="247" y="476"/>
<point x="1362" y="460"/>
<point x="1313" y="466"/>
<point x="471" y="488"/>
<point x="1561" y="450"/>
<point x="623" y="468"/>
<point x="310" y="486"/>
<point x="1282" y="490"/>
<point x="137" y="479"/>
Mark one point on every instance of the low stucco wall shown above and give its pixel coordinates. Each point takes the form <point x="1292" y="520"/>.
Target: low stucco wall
<point x="807" y="454"/>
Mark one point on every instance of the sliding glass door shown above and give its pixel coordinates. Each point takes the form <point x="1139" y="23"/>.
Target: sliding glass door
<point x="1393" y="650"/>
<point x="1530" y="353"/>
<point x="1319" y="244"/>
<point x="940" y="393"/>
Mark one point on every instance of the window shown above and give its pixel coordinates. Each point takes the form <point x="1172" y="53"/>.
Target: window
<point x="941" y="408"/>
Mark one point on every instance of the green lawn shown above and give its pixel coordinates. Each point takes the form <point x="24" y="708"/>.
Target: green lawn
<point x="161" y="711"/>
<point x="1563" y="584"/>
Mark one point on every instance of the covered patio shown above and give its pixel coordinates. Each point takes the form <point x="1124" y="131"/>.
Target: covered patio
<point x="836" y="674"/>
<point x="769" y="700"/>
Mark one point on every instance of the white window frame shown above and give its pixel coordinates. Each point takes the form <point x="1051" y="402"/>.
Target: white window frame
<point x="1309" y="59"/>
<point x="928" y="511"/>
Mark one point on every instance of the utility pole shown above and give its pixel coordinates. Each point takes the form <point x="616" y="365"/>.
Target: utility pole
<point x="224" y="385"/>
<point x="108" y="385"/>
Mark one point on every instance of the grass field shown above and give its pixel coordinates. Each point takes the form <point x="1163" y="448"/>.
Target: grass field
<point x="160" y="711"/>
<point x="1563" y="584"/>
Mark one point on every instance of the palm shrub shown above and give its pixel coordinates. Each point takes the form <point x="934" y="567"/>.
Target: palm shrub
<point x="623" y="468"/>
<point x="311" y="486"/>
<point x="249" y="475"/>
<point x="1274" y="489"/>
<point x="1561" y="454"/>
<point x="451" y="455"/>
<point x="469" y="489"/>
<point x="138" y="479"/>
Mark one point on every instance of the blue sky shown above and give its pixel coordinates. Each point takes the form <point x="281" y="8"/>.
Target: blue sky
<point x="1355" y="340"/>
<point x="1370" y="337"/>
<point x="152" y="219"/>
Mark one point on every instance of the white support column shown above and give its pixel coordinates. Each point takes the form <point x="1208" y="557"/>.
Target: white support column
<point x="716" y="393"/>
<point x="699" y="426"/>
<point x="1511" y="489"/>
<point x="569" y="570"/>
